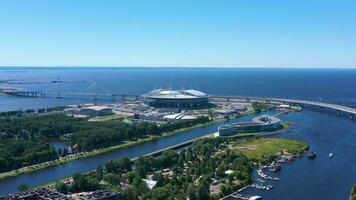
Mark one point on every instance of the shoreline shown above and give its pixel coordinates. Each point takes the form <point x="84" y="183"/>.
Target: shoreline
<point x="167" y="135"/>
<point x="41" y="166"/>
<point x="83" y="155"/>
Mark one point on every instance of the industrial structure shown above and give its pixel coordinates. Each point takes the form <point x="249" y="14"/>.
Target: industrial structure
<point x="262" y="123"/>
<point x="176" y="98"/>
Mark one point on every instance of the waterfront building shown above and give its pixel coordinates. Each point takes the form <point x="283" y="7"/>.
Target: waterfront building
<point x="264" y="123"/>
<point x="183" y="99"/>
<point x="95" y="110"/>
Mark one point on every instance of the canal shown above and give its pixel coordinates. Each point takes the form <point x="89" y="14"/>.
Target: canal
<point x="51" y="174"/>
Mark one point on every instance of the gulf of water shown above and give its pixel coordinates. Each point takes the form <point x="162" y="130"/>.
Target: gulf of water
<point x="322" y="178"/>
<point x="314" y="84"/>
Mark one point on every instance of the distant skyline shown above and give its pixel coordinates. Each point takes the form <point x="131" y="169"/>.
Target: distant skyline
<point x="178" y="33"/>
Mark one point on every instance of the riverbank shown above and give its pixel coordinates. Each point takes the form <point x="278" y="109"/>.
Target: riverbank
<point x="168" y="134"/>
<point x="235" y="178"/>
<point x="82" y="155"/>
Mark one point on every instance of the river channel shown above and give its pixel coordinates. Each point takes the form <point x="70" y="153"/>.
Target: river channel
<point x="51" y="174"/>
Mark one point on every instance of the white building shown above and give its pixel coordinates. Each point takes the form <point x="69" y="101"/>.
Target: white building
<point x="96" y="110"/>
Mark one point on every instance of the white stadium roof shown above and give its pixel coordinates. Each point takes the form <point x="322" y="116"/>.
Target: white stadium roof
<point x="175" y="94"/>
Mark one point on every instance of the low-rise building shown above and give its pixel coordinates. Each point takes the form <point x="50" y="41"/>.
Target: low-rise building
<point x="97" y="195"/>
<point x="96" y="110"/>
<point x="37" y="194"/>
<point x="259" y="124"/>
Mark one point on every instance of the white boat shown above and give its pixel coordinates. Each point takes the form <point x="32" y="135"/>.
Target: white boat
<point x="331" y="155"/>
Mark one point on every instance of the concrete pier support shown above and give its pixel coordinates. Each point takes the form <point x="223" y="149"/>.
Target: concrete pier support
<point x="113" y="98"/>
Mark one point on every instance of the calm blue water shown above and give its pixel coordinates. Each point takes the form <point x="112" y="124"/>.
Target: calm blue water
<point x="322" y="178"/>
<point x="327" y="84"/>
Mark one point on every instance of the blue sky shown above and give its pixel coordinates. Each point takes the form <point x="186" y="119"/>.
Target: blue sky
<point x="229" y="33"/>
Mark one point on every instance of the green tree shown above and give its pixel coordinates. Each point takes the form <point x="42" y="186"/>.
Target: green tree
<point x="130" y="193"/>
<point x="203" y="191"/>
<point x="113" y="179"/>
<point x="61" y="187"/>
<point x="100" y="170"/>
<point x="22" y="187"/>
<point x="211" y="113"/>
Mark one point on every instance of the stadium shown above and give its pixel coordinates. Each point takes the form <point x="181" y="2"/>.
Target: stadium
<point x="187" y="99"/>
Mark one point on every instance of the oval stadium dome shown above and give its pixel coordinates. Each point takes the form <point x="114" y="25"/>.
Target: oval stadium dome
<point x="176" y="98"/>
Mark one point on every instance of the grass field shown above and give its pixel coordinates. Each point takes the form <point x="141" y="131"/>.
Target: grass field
<point x="262" y="149"/>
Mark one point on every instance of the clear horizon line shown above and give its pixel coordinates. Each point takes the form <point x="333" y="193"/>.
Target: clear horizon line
<point x="137" y="66"/>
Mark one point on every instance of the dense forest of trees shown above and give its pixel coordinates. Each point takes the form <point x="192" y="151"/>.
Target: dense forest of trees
<point x="23" y="138"/>
<point x="16" y="153"/>
<point x="193" y="171"/>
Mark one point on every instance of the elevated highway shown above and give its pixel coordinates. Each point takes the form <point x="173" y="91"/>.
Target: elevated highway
<point x="114" y="96"/>
<point x="321" y="105"/>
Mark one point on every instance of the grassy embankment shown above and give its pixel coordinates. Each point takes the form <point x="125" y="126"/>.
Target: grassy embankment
<point x="263" y="150"/>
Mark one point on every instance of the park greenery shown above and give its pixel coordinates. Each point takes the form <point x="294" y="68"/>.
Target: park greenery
<point x="197" y="172"/>
<point x="23" y="138"/>
<point x="264" y="150"/>
<point x="189" y="173"/>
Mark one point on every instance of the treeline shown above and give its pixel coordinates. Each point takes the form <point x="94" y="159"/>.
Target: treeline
<point x="16" y="153"/>
<point x="31" y="131"/>
<point x="27" y="111"/>
<point x="192" y="171"/>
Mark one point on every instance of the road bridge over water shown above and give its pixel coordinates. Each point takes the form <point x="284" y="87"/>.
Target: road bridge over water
<point x="117" y="96"/>
<point x="322" y="105"/>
